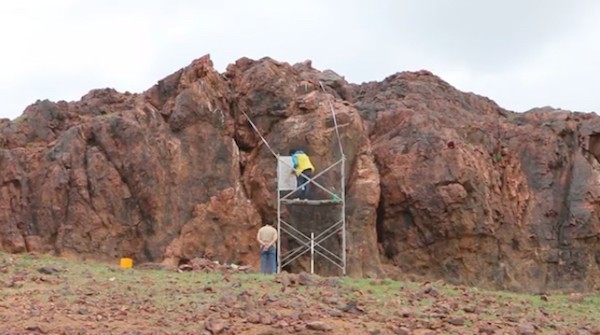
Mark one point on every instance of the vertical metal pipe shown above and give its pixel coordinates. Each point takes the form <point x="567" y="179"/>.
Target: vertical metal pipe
<point x="312" y="253"/>
<point x="278" y="220"/>
<point x="343" y="196"/>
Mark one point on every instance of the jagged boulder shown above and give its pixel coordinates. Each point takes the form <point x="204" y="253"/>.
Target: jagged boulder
<point x="476" y="194"/>
<point x="222" y="229"/>
<point x="125" y="172"/>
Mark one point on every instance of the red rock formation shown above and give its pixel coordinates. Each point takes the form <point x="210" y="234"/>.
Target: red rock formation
<point x="118" y="174"/>
<point x="438" y="182"/>
<point x="479" y="195"/>
<point x="290" y="108"/>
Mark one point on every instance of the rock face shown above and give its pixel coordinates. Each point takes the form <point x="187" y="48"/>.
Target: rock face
<point x="115" y="174"/>
<point x="479" y="195"/>
<point x="437" y="182"/>
<point x="292" y="111"/>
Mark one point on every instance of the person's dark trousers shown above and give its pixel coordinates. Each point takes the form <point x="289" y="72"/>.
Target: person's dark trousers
<point x="301" y="179"/>
<point x="268" y="260"/>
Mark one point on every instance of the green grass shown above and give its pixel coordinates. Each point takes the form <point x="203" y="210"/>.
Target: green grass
<point x="78" y="287"/>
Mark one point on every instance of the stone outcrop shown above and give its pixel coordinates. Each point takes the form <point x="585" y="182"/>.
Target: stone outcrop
<point x="438" y="182"/>
<point x="479" y="195"/>
<point x="118" y="174"/>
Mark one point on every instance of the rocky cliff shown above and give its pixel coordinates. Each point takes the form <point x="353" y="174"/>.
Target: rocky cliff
<point x="439" y="182"/>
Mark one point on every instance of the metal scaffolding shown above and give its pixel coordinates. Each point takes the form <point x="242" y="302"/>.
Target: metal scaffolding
<point x="313" y="242"/>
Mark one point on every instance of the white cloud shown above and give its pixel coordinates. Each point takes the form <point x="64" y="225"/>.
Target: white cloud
<point x="559" y="73"/>
<point x="520" y="54"/>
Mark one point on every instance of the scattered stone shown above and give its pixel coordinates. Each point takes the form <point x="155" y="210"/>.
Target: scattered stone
<point x="244" y="268"/>
<point x="306" y="279"/>
<point x="402" y="331"/>
<point x="227" y="299"/>
<point x="525" y="329"/>
<point x="434" y="293"/>
<point x="512" y="318"/>
<point x="352" y="307"/>
<point x="470" y="309"/>
<point x="487" y="329"/>
<point x="405" y="313"/>
<point x="595" y="330"/>
<point x="36" y="328"/>
<point x="266" y="319"/>
<point x="271" y="298"/>
<point x="284" y="279"/>
<point x="456" y="320"/>
<point x="203" y="265"/>
<point x="331" y="300"/>
<point x="332" y="282"/>
<point x="304" y="316"/>
<point x="283" y="324"/>
<point x="299" y="327"/>
<point x="14" y="284"/>
<point x="430" y="290"/>
<point x="216" y="326"/>
<point x="335" y="313"/>
<point x="318" y="325"/>
<point x="48" y="270"/>
<point x="253" y="317"/>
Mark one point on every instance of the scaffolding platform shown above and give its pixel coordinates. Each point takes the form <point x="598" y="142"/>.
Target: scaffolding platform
<point x="321" y="236"/>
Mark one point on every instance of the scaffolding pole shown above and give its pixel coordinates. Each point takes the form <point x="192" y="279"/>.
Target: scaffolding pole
<point x="343" y="195"/>
<point x="278" y="251"/>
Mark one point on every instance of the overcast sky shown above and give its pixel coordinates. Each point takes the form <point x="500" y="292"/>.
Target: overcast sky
<point x="519" y="53"/>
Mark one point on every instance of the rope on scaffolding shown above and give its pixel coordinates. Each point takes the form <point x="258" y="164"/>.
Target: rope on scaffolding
<point x="337" y="133"/>
<point x="258" y="132"/>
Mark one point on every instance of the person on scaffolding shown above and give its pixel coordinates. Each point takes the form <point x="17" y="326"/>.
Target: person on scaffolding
<point x="303" y="169"/>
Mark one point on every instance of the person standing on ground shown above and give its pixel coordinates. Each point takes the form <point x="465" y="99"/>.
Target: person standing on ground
<point x="303" y="169"/>
<point x="266" y="237"/>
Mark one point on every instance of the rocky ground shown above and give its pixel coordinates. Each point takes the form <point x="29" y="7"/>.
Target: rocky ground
<point x="45" y="295"/>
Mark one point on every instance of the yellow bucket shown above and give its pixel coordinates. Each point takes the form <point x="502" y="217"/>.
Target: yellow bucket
<point x="126" y="263"/>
